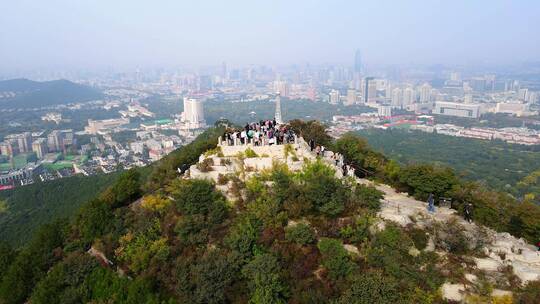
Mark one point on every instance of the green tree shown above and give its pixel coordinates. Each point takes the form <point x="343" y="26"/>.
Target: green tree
<point x="202" y="209"/>
<point x="422" y="180"/>
<point x="7" y="254"/>
<point x="320" y="186"/>
<point x="125" y="189"/>
<point x="32" y="263"/>
<point x="371" y="287"/>
<point x="311" y="130"/>
<point x="300" y="234"/>
<point x="335" y="258"/>
<point x="64" y="282"/>
<point x="94" y="220"/>
<point x="265" y="280"/>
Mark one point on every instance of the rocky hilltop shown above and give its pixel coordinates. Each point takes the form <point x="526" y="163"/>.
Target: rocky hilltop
<point x="499" y="252"/>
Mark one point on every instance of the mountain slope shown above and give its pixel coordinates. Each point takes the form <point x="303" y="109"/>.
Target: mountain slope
<point x="277" y="224"/>
<point x="24" y="93"/>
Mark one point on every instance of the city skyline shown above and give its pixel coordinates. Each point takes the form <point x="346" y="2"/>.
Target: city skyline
<point x="132" y="34"/>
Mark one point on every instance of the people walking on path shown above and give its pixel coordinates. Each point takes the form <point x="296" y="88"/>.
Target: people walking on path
<point x="431" y="203"/>
<point x="469" y="212"/>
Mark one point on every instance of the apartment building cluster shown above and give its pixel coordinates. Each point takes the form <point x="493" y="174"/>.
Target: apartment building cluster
<point x="522" y="136"/>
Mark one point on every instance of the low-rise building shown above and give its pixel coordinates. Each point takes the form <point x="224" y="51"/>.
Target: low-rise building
<point x="457" y="109"/>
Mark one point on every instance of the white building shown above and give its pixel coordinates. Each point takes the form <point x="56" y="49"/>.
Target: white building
<point x="409" y="96"/>
<point x="457" y="109"/>
<point x="351" y="97"/>
<point x="193" y="115"/>
<point x="425" y="93"/>
<point x="384" y="111"/>
<point x="96" y="126"/>
<point x="334" y="96"/>
<point x="397" y="98"/>
<point x="516" y="108"/>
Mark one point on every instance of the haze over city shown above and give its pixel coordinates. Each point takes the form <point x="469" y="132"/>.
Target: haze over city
<point x="97" y="34"/>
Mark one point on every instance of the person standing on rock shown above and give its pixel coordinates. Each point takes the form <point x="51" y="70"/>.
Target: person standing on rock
<point x="468" y="212"/>
<point x="431" y="203"/>
<point x="311" y="144"/>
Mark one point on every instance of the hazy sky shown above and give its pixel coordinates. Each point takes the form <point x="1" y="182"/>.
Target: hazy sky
<point x="101" y="33"/>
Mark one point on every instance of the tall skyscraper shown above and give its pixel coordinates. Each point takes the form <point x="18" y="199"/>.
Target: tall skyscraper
<point x="277" y="116"/>
<point x="370" y="89"/>
<point x="357" y="62"/>
<point x="193" y="115"/>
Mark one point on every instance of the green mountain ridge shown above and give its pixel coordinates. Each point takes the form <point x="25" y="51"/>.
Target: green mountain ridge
<point x="33" y="94"/>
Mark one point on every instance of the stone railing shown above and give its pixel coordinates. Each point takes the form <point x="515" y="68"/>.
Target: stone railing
<point x="251" y="142"/>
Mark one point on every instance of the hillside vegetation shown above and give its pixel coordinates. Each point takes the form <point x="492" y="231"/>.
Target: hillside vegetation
<point x="29" y="207"/>
<point x="158" y="238"/>
<point x="499" y="165"/>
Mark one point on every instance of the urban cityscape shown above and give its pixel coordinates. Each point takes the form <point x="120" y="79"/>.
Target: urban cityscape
<point x="270" y="152"/>
<point x="416" y="99"/>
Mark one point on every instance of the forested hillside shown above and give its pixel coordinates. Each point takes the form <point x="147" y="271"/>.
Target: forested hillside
<point x="278" y="236"/>
<point x="24" y="93"/>
<point x="27" y="208"/>
<point x="499" y="165"/>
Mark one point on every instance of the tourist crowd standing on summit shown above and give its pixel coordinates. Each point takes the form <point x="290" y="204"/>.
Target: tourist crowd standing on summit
<point x="264" y="132"/>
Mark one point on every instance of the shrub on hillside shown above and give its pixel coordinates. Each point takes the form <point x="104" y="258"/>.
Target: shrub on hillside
<point x="300" y="234"/>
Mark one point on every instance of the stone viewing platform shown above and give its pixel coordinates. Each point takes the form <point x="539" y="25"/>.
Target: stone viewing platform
<point x="243" y="160"/>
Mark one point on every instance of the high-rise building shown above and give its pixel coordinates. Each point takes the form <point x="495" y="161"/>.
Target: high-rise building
<point x="523" y="94"/>
<point x="205" y="83"/>
<point x="425" y="93"/>
<point x="39" y="146"/>
<point x="277" y="115"/>
<point x="397" y="101"/>
<point x="24" y="142"/>
<point x="409" y="96"/>
<point x="8" y="148"/>
<point x="193" y="115"/>
<point x="334" y="97"/>
<point x="455" y="76"/>
<point x="357" y="62"/>
<point x="370" y="89"/>
<point x="282" y="87"/>
<point x="55" y="141"/>
<point x="351" y="97"/>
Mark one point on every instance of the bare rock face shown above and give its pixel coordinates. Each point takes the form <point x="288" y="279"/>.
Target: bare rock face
<point x="487" y="264"/>
<point x="453" y="292"/>
<point x="351" y="249"/>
